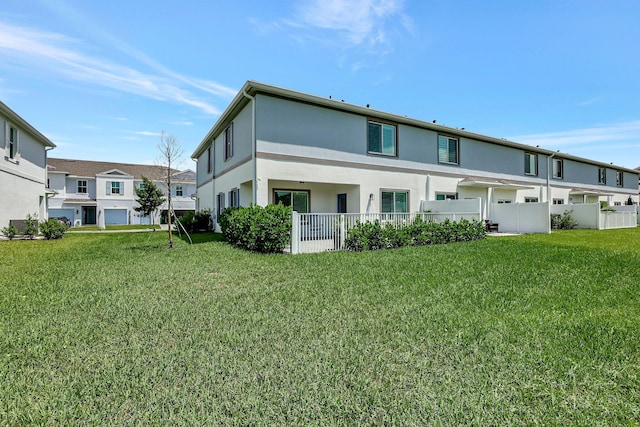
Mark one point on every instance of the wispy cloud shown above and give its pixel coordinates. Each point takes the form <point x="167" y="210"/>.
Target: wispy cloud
<point x="365" y="24"/>
<point x="625" y="133"/>
<point x="64" y="56"/>
<point x="147" y="133"/>
<point x="182" y="123"/>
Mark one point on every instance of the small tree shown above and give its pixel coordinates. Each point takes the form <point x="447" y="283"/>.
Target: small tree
<point x="10" y="231"/>
<point x="31" y="226"/>
<point x="150" y="197"/>
<point x="170" y="154"/>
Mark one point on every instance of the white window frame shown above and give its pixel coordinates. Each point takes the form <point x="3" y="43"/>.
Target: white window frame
<point x="287" y="190"/>
<point x="12" y="142"/>
<point x="558" y="201"/>
<point x="383" y="126"/>
<point x="557" y="169"/>
<point x="219" y="205"/>
<point x="395" y="194"/>
<point x="79" y="186"/>
<point x="179" y="190"/>
<point x="602" y="176"/>
<point x="234" y="198"/>
<point x="528" y="163"/>
<point x="531" y="200"/>
<point x="446" y="196"/>
<point x="228" y="142"/>
<point x="444" y="149"/>
<point x="112" y="185"/>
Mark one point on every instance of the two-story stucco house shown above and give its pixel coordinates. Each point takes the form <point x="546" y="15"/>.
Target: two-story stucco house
<point x="103" y="193"/>
<point x="23" y="168"/>
<point x="320" y="155"/>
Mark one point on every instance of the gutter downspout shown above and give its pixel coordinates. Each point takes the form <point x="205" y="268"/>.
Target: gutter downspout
<point x="253" y="146"/>
<point x="549" y="190"/>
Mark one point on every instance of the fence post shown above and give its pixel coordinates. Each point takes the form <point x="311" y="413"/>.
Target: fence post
<point x="343" y="232"/>
<point x="295" y="233"/>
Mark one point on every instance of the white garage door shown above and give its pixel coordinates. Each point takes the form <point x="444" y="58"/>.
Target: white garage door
<point x="115" y="216"/>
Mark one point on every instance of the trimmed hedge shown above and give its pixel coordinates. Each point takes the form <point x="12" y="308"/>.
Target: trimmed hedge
<point x="256" y="228"/>
<point x="370" y="236"/>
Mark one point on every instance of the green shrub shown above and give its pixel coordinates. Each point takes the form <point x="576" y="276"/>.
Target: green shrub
<point x="258" y="229"/>
<point x="197" y="221"/>
<point x="31" y="226"/>
<point x="9" y="232"/>
<point x="52" y="229"/>
<point x="368" y="236"/>
<point x="564" y="221"/>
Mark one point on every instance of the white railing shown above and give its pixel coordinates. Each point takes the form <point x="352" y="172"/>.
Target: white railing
<point x="319" y="232"/>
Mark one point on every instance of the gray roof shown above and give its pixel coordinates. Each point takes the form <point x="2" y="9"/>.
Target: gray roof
<point x="91" y="168"/>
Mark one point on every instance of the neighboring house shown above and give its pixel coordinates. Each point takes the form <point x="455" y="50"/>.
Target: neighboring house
<point x="320" y="155"/>
<point x="103" y="193"/>
<point x="23" y="168"/>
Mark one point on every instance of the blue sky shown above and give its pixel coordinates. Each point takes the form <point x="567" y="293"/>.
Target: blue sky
<point x="103" y="79"/>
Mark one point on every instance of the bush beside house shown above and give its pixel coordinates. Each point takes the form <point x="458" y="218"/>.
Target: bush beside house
<point x="256" y="228"/>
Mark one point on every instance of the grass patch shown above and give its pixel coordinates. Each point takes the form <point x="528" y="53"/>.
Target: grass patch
<point x="116" y="227"/>
<point x="116" y="329"/>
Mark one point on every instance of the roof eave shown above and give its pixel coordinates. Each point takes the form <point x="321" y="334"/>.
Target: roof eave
<point x="33" y="131"/>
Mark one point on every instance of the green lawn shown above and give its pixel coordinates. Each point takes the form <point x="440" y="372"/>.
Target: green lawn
<point x="116" y="329"/>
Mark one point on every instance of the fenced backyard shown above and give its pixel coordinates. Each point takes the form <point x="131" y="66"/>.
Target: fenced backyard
<point x="319" y="232"/>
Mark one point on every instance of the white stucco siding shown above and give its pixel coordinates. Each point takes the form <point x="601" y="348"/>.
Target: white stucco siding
<point x="233" y="179"/>
<point x="205" y="197"/>
<point x="325" y="182"/>
<point x="19" y="197"/>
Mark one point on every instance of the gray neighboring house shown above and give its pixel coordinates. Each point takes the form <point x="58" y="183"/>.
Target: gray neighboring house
<point x="103" y="193"/>
<point x="23" y="168"/>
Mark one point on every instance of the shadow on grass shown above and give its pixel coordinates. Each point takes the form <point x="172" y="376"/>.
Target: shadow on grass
<point x="205" y="237"/>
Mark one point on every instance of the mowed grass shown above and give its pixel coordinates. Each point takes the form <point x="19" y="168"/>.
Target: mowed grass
<point x="116" y="329"/>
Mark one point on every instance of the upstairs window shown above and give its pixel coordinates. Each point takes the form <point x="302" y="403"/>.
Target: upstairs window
<point x="179" y="190"/>
<point x="558" y="168"/>
<point x="115" y="187"/>
<point x="602" y="176"/>
<point x="82" y="186"/>
<point x="209" y="159"/>
<point x="531" y="200"/>
<point x="619" y="178"/>
<point x="530" y="164"/>
<point x="448" y="150"/>
<point x="382" y="139"/>
<point x="228" y="142"/>
<point x="11" y="141"/>
<point x="395" y="201"/>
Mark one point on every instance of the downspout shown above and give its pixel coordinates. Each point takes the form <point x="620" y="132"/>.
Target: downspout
<point x="253" y="146"/>
<point x="46" y="182"/>
<point x="549" y="190"/>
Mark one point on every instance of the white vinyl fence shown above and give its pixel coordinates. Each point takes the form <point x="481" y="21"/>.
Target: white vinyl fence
<point x="589" y="215"/>
<point x="319" y="232"/>
<point x="521" y="217"/>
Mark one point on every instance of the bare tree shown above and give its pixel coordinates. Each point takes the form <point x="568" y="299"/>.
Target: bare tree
<point x="170" y="155"/>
